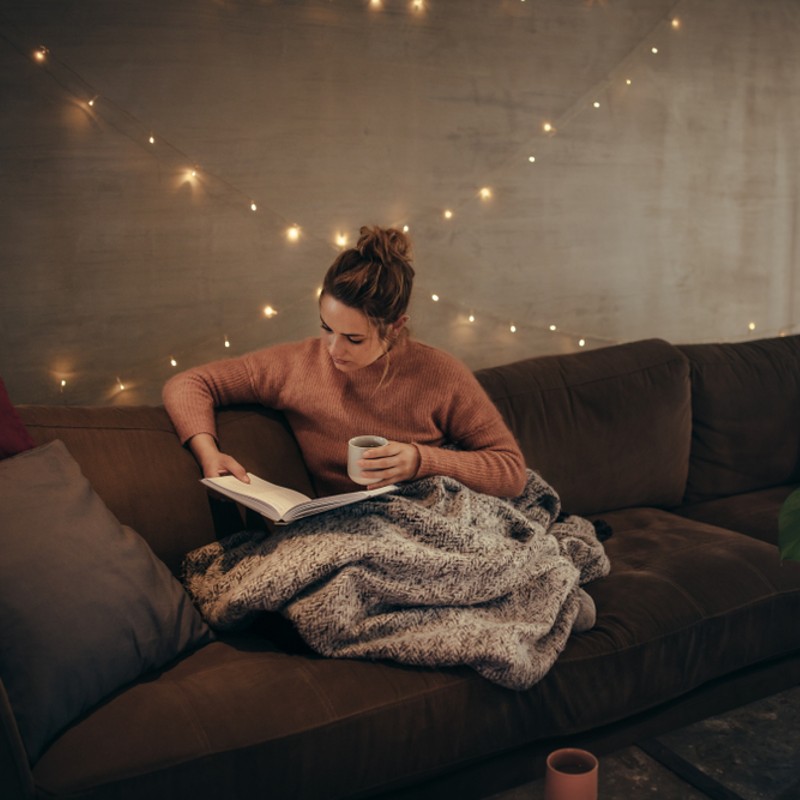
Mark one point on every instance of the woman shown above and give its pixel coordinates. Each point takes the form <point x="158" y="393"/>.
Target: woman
<point x="363" y="375"/>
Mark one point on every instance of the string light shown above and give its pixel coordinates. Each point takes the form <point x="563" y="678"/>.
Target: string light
<point x="293" y="233"/>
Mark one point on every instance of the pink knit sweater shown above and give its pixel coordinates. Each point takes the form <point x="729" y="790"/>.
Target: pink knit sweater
<point x="426" y="397"/>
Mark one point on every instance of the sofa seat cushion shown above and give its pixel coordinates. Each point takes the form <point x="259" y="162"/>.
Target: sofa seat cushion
<point x="685" y="603"/>
<point x="751" y="513"/>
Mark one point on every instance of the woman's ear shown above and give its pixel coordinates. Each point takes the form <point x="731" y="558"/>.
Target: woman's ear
<point x="400" y="324"/>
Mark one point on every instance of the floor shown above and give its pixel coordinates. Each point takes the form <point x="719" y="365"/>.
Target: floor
<point x="752" y="753"/>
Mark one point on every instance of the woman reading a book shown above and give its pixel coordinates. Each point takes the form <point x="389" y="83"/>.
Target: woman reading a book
<point x="363" y="375"/>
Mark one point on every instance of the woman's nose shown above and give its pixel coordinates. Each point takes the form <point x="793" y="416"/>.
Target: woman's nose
<point x="336" y="345"/>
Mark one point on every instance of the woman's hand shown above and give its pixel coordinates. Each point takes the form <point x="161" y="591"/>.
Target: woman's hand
<point x="212" y="462"/>
<point x="391" y="463"/>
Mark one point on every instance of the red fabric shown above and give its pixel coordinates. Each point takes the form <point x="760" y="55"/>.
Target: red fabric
<point x="14" y="438"/>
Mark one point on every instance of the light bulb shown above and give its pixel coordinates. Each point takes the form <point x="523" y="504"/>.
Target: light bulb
<point x="628" y="81"/>
<point x="227" y="342"/>
<point x="269" y="312"/>
<point x="471" y="318"/>
<point x="293" y="233"/>
<point x="513" y="328"/>
<point x="406" y="229"/>
<point x="435" y="298"/>
<point x="448" y="214"/>
<point x="581" y="342"/>
<point x="152" y="140"/>
<point x="41" y="54"/>
<point x="341" y="239"/>
<point x="532" y="159"/>
<point x="486" y="193"/>
<point x="553" y="328"/>
<point x="752" y="326"/>
<point x="253" y="207"/>
<point x="676" y="23"/>
<point x="654" y="50"/>
<point x="596" y="104"/>
<point x="63" y="383"/>
<point x="547" y="127"/>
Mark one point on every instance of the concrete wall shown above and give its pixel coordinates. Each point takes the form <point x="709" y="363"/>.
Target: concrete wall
<point x="670" y="210"/>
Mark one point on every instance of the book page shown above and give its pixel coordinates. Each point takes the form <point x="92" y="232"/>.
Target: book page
<point x="280" y="498"/>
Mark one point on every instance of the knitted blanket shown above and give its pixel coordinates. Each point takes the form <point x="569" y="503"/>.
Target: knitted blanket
<point x="434" y="574"/>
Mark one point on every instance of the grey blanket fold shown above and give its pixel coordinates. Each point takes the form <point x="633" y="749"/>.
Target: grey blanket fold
<point x="434" y="574"/>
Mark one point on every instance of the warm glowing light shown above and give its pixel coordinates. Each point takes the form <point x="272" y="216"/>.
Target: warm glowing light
<point x="269" y="312"/>
<point x="548" y="127"/>
<point x="375" y="3"/>
<point x="253" y="207"/>
<point x="486" y="193"/>
<point x="121" y="385"/>
<point x="293" y="233"/>
<point x="406" y="229"/>
<point x="63" y="383"/>
<point x="448" y="214"/>
<point x="532" y="159"/>
<point x="596" y="104"/>
<point x="581" y="342"/>
<point x="513" y="328"/>
<point x="676" y="23"/>
<point x="173" y="362"/>
<point x="628" y="81"/>
<point x="553" y="328"/>
<point x="319" y="291"/>
<point x="341" y="239"/>
<point x="435" y="298"/>
<point x="471" y="318"/>
<point x="752" y="326"/>
<point x="41" y="54"/>
<point x="418" y="5"/>
<point x="91" y="102"/>
<point x="654" y="50"/>
<point x="227" y="342"/>
<point x="152" y="140"/>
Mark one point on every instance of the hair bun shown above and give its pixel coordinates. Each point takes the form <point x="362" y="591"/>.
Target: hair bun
<point x="383" y="244"/>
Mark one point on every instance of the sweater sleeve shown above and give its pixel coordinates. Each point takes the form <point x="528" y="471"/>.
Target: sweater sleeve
<point x="192" y="396"/>
<point x="488" y="458"/>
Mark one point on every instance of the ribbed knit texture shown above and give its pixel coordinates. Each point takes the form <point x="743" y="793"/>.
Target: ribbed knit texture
<point x="425" y="397"/>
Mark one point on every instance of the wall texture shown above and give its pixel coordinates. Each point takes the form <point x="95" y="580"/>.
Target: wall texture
<point x="670" y="208"/>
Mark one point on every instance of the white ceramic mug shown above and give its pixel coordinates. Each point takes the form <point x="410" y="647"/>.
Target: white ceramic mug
<point x="571" y="775"/>
<point x="356" y="448"/>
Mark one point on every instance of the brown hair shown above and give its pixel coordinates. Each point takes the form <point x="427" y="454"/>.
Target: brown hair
<point x="374" y="277"/>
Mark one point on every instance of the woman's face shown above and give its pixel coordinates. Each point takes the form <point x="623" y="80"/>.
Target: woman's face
<point x="351" y="339"/>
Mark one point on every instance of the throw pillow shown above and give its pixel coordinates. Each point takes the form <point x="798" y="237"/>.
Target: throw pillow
<point x="85" y="605"/>
<point x="14" y="438"/>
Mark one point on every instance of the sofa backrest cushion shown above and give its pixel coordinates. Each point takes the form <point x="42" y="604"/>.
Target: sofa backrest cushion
<point x="133" y="459"/>
<point x="607" y="428"/>
<point x="746" y="409"/>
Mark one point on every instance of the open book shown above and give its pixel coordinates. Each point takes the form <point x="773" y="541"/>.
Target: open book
<point x="280" y="504"/>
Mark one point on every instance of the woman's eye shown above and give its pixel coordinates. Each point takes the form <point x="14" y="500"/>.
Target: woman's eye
<point x="326" y="329"/>
<point x="355" y="341"/>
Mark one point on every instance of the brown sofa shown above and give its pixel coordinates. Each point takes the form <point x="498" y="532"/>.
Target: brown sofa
<point x="686" y="452"/>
